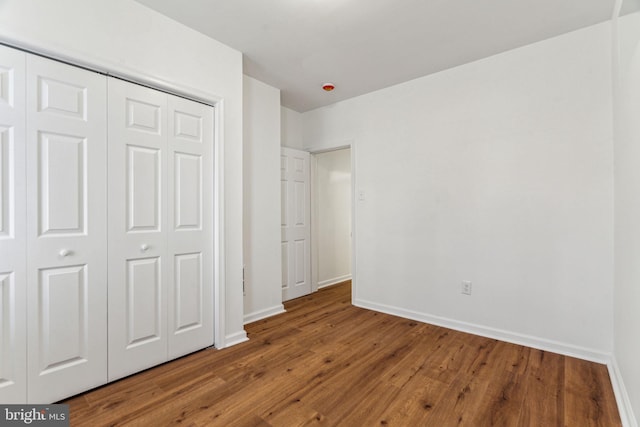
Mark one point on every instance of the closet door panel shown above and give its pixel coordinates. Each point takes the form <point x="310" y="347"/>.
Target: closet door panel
<point x="137" y="228"/>
<point x="144" y="293"/>
<point x="13" y="350"/>
<point x="63" y="320"/>
<point x="190" y="146"/>
<point x="66" y="229"/>
<point x="62" y="170"/>
<point x="143" y="189"/>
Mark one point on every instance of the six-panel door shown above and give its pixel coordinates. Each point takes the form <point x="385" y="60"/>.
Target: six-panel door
<point x="295" y="227"/>
<point x="66" y="229"/>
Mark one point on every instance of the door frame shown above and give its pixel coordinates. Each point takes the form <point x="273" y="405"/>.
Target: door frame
<point x="339" y="145"/>
<point x="119" y="70"/>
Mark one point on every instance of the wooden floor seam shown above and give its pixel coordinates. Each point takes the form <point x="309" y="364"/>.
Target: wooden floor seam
<point x="326" y="362"/>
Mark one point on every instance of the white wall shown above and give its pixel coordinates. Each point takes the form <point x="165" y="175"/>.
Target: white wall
<point x="627" y="212"/>
<point x="126" y="36"/>
<point x="332" y="219"/>
<point x="263" y="267"/>
<point x="291" y="128"/>
<point x="498" y="172"/>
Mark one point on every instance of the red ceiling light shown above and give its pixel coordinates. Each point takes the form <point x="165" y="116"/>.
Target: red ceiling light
<point x="328" y="87"/>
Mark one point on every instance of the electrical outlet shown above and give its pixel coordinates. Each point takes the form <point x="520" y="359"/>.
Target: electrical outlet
<point x="466" y="287"/>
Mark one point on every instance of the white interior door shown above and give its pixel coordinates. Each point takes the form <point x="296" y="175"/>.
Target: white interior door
<point x="66" y="229"/>
<point x="137" y="225"/>
<point x="296" y="227"/>
<point x="13" y="318"/>
<point x="190" y="224"/>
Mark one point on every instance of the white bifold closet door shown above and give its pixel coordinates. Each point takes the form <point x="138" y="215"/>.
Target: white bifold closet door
<point x="66" y="229"/>
<point x="160" y="227"/>
<point x="13" y="315"/>
<point x="190" y="226"/>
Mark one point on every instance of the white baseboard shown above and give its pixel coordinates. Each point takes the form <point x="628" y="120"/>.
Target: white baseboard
<point x="263" y="314"/>
<point x="499" y="334"/>
<point x="622" y="397"/>
<point x="334" y="281"/>
<point x="237" y="338"/>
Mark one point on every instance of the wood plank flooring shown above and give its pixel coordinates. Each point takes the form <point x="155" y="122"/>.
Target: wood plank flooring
<point x="328" y="363"/>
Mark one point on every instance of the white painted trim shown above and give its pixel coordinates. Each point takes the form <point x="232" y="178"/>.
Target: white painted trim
<point x="622" y="397"/>
<point x="263" y="314"/>
<point x="143" y="77"/>
<point x="219" y="281"/>
<point x="234" y="339"/>
<point x="334" y="281"/>
<point x="113" y="69"/>
<point x="354" y="206"/>
<point x="313" y="192"/>
<point x="498" y="334"/>
<point x="344" y="145"/>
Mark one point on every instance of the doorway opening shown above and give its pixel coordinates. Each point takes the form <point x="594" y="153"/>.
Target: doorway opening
<point x="318" y="211"/>
<point x="331" y="217"/>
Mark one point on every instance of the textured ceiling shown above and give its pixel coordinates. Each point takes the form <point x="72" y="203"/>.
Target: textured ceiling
<point x="365" y="45"/>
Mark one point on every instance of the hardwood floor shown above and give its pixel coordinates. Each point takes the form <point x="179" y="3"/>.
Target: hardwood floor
<point x="326" y="362"/>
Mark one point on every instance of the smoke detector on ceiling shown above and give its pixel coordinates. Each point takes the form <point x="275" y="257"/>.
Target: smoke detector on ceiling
<point x="328" y="87"/>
